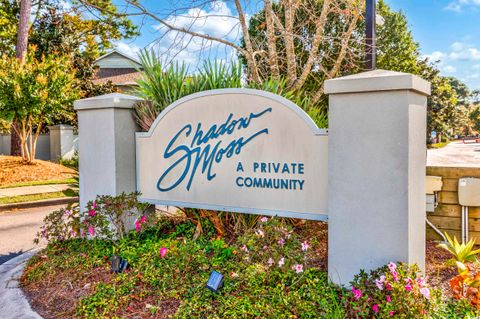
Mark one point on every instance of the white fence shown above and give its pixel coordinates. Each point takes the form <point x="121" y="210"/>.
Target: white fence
<point x="60" y="142"/>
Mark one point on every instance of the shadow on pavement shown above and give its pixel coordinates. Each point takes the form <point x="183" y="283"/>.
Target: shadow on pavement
<point x="4" y="258"/>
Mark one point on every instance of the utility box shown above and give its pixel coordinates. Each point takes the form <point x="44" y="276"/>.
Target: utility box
<point x="469" y="191"/>
<point x="433" y="184"/>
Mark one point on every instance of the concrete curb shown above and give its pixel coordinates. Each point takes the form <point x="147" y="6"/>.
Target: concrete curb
<point x="40" y="203"/>
<point x="13" y="302"/>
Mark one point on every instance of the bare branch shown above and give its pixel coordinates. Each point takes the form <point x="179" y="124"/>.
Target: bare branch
<point x="249" y="52"/>
<point x="290" y="7"/>
<point x="320" y="25"/>
<point x="271" y="40"/>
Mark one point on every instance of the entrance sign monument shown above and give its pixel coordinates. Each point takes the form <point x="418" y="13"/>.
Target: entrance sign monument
<point x="237" y="150"/>
<point x="251" y="151"/>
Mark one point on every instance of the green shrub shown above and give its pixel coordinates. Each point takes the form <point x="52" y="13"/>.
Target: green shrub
<point x="458" y="309"/>
<point x="71" y="162"/>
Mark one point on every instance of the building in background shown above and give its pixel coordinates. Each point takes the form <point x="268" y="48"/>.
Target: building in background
<point x="119" y="68"/>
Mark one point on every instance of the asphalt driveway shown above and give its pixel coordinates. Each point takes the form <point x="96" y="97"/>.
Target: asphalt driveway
<point x="455" y="154"/>
<point x="18" y="229"/>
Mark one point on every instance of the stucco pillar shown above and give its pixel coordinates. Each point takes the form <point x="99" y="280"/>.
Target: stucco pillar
<point x="106" y="130"/>
<point x="377" y="157"/>
<point x="61" y="141"/>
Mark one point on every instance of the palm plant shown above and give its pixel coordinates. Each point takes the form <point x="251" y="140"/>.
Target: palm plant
<point x="160" y="86"/>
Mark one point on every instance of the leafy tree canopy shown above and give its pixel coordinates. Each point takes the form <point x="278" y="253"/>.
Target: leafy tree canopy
<point x="68" y="29"/>
<point x="33" y="93"/>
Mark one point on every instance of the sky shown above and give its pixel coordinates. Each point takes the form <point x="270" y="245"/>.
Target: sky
<point x="448" y="31"/>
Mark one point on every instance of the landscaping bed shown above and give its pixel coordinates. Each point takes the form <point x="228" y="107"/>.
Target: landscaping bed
<point x="73" y="278"/>
<point x="15" y="173"/>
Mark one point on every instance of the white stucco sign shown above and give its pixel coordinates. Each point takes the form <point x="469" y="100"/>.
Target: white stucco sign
<point x="236" y="150"/>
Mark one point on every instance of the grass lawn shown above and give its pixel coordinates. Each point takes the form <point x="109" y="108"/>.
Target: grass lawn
<point x="37" y="197"/>
<point x="14" y="172"/>
<point x="437" y="145"/>
<point x="35" y="183"/>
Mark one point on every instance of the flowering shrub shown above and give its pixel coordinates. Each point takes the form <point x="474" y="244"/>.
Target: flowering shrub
<point x="392" y="291"/>
<point x="104" y="217"/>
<point x="60" y="225"/>
<point x="274" y="245"/>
<point x="107" y="216"/>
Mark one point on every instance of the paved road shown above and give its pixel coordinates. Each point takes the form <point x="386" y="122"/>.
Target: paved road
<point x="18" y="229"/>
<point x="455" y="154"/>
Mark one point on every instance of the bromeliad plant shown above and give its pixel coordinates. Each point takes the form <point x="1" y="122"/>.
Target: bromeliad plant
<point x="461" y="252"/>
<point x="465" y="285"/>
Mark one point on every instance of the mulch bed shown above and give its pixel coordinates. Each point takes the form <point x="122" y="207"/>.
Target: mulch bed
<point x="57" y="297"/>
<point x="13" y="170"/>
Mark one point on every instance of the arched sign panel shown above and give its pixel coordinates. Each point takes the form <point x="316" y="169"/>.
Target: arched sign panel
<point x="238" y="150"/>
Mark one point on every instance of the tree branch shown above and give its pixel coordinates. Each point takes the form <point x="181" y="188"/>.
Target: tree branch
<point x="271" y="40"/>
<point x="252" y="65"/>
<point x="317" y="39"/>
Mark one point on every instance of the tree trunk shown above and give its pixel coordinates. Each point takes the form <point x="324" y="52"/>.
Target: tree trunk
<point x="22" y="34"/>
<point x="15" y="144"/>
<point x="20" y="53"/>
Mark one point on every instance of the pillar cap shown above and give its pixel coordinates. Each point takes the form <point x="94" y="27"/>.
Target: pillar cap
<point x="112" y="100"/>
<point x="377" y="80"/>
<point x="60" y="127"/>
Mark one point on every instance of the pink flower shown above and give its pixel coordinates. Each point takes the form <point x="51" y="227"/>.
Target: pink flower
<point x="425" y="292"/>
<point x="260" y="233"/>
<point x="92" y="212"/>
<point x="395" y="276"/>
<point x="305" y="246"/>
<point x="91" y="231"/>
<point x="392" y="267"/>
<point x="68" y="213"/>
<point x="298" y="268"/>
<point x="281" y="262"/>
<point x="270" y="262"/>
<point x="281" y="241"/>
<point x="389" y="299"/>
<point x="421" y="282"/>
<point x="379" y="282"/>
<point x="408" y="287"/>
<point x="264" y="219"/>
<point x="94" y="205"/>
<point x="375" y="308"/>
<point x="388" y="286"/>
<point x="163" y="252"/>
<point x="392" y="313"/>
<point x="244" y="248"/>
<point x="357" y="294"/>
<point x="82" y="233"/>
<point x="138" y="226"/>
<point x="143" y="219"/>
